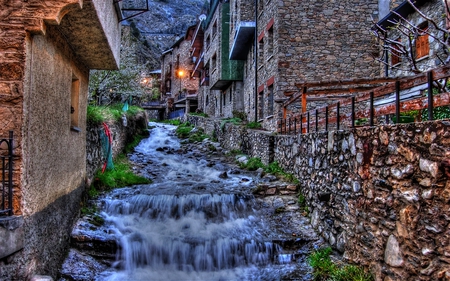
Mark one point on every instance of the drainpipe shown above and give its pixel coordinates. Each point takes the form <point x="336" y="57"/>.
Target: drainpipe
<point x="255" y="56"/>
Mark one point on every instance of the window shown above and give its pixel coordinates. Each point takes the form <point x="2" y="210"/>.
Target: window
<point x="270" y="40"/>
<point x="261" y="105"/>
<point x="208" y="42"/>
<point x="74" y="103"/>
<point x="214" y="28"/>
<point x="207" y="100"/>
<point x="260" y="6"/>
<point x="214" y="61"/>
<point x="224" y="98"/>
<point x="231" y="91"/>
<point x="260" y="52"/>
<point x="270" y="101"/>
<point x="396" y="54"/>
<point x="422" y="43"/>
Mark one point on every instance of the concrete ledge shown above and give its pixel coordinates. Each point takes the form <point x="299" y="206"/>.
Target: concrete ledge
<point x="11" y="235"/>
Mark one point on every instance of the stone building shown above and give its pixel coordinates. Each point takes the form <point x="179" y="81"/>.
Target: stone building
<point x="221" y="85"/>
<point x="178" y="85"/>
<point x="46" y="51"/>
<point x="255" y="54"/>
<point x="412" y="43"/>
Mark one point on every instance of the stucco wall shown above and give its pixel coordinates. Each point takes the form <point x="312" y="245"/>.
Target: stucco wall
<point x="378" y="195"/>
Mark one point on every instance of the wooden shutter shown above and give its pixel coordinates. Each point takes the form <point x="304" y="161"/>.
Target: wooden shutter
<point x="422" y="43"/>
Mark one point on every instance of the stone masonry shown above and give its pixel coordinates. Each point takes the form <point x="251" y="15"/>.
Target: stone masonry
<point x="380" y="196"/>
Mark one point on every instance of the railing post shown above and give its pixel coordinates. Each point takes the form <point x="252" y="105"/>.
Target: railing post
<point x="285" y="128"/>
<point x="10" y="175"/>
<point x="338" y="117"/>
<point x="317" y="119"/>
<point x="353" y="112"/>
<point x="397" y="102"/>
<point x="430" y="95"/>
<point x="289" y="128"/>
<point x="307" y="122"/>
<point x="326" y="119"/>
<point x="371" y="110"/>
<point x="295" y="125"/>
<point x="301" y="123"/>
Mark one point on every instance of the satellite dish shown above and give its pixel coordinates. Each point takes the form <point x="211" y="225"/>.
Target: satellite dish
<point x="202" y="17"/>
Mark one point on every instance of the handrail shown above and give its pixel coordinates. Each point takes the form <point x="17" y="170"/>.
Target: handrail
<point x="6" y="205"/>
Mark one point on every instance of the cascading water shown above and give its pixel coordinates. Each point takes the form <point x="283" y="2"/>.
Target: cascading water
<point x="190" y="223"/>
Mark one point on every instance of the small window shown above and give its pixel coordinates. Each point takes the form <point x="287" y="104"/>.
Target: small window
<point x="207" y="100"/>
<point x="422" y="43"/>
<point x="260" y="52"/>
<point x="214" y="61"/>
<point x="270" y="100"/>
<point x="74" y="104"/>
<point x="208" y="42"/>
<point x="261" y="105"/>
<point x="214" y="28"/>
<point x="270" y="41"/>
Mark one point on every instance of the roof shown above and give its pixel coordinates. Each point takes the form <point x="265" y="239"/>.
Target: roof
<point x="402" y="10"/>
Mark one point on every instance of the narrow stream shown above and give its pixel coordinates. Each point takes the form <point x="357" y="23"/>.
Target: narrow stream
<point x="194" y="222"/>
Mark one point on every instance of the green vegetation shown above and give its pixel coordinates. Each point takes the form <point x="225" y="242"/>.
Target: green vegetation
<point x="324" y="269"/>
<point x="234" y="120"/>
<point x="174" y="122"/>
<point x="186" y="130"/>
<point x="239" y="115"/>
<point x="302" y="203"/>
<point x="254" y="125"/>
<point x="100" y="114"/>
<point x="255" y="163"/>
<point x="136" y="140"/>
<point x="120" y="176"/>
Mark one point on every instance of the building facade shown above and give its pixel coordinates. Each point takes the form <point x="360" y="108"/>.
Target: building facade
<point x="47" y="50"/>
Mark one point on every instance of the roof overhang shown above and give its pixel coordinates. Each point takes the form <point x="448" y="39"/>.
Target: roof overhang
<point x="402" y="11"/>
<point x="221" y="85"/>
<point x="242" y="41"/>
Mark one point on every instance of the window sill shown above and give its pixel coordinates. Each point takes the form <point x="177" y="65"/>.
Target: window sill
<point x="75" y="129"/>
<point x="260" y="66"/>
<point x="260" y="120"/>
<point x="269" y="117"/>
<point x="270" y="57"/>
<point x="423" y="58"/>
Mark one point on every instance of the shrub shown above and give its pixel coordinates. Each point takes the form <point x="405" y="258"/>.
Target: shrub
<point x="254" y="125"/>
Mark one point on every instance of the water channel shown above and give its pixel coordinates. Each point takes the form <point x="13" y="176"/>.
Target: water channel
<point x="198" y="220"/>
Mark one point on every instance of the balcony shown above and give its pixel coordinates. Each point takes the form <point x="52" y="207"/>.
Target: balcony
<point x="242" y="41"/>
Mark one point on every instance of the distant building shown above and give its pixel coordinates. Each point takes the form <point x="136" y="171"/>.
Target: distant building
<point x="178" y="84"/>
<point x="47" y="49"/>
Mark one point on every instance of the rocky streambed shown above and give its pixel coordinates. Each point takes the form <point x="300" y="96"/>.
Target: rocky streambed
<point x="202" y="218"/>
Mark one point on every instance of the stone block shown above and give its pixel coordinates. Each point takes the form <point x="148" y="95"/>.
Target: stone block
<point x="11" y="235"/>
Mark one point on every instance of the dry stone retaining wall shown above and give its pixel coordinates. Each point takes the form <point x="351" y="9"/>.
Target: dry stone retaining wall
<point x="378" y="195"/>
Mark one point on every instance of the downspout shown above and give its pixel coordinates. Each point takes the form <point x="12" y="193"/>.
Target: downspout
<point x="255" y="57"/>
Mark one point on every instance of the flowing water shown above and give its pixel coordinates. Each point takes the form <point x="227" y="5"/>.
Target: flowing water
<point x="192" y="223"/>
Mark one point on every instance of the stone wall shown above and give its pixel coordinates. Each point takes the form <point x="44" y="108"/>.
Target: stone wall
<point x="120" y="134"/>
<point x="378" y="195"/>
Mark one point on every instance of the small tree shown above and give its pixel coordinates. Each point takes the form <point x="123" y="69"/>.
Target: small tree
<point x="404" y="50"/>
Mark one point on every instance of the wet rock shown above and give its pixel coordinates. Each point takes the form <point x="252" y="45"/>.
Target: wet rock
<point x="223" y="175"/>
<point x="235" y="172"/>
<point x="79" y="267"/>
<point x="271" y="191"/>
<point x="429" y="167"/>
<point x="278" y="203"/>
<point x="269" y="178"/>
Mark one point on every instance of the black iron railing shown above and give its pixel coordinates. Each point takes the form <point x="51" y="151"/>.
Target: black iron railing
<point x="6" y="206"/>
<point x="380" y="106"/>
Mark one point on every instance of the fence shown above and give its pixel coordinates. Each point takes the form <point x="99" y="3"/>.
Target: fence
<point x="6" y="208"/>
<point x="365" y="102"/>
<point x="176" y="114"/>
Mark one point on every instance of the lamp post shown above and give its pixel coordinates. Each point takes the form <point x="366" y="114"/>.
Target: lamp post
<point x="180" y="75"/>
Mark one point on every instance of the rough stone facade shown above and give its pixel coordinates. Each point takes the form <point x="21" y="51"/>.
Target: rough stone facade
<point x="437" y="54"/>
<point x="378" y="195"/>
<point x="47" y="49"/>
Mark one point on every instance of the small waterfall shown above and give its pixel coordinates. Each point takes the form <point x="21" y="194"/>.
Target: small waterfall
<point x="167" y="232"/>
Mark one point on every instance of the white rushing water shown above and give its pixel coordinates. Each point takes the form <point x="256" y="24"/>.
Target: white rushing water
<point x="206" y="235"/>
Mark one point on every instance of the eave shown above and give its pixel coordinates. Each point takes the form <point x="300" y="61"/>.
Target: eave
<point x="402" y="11"/>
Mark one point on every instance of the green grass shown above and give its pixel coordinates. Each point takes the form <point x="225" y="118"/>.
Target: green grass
<point x="201" y="114"/>
<point x="174" y="122"/>
<point x="255" y="163"/>
<point x="254" y="125"/>
<point x="99" y="114"/>
<point x="252" y="164"/>
<point x="324" y="269"/>
<point x="136" y="140"/>
<point x="120" y="176"/>
<point x="234" y="120"/>
<point x="183" y="130"/>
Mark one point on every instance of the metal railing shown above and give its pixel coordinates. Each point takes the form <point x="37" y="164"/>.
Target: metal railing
<point x="382" y="105"/>
<point x="6" y="206"/>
